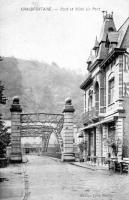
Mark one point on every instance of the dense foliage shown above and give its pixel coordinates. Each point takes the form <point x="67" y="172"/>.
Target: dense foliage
<point x="42" y="87"/>
<point x="4" y="135"/>
<point x="4" y="138"/>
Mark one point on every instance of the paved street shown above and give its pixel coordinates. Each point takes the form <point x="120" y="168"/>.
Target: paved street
<point x="44" y="178"/>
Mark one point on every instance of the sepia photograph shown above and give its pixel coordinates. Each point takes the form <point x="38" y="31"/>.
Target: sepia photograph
<point x="64" y="100"/>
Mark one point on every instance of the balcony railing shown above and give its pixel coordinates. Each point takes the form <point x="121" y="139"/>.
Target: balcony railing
<point x="90" y="115"/>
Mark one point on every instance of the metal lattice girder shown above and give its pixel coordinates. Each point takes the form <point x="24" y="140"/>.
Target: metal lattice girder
<point x="34" y="133"/>
<point x="40" y="118"/>
<point x="42" y="125"/>
<point x="35" y="130"/>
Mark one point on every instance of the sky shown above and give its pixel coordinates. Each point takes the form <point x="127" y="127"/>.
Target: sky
<point x="61" y="31"/>
<point x="38" y="140"/>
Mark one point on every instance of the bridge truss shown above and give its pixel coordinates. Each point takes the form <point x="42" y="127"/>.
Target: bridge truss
<point x="42" y="125"/>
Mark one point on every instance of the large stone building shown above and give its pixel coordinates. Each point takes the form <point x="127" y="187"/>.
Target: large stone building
<point x="106" y="92"/>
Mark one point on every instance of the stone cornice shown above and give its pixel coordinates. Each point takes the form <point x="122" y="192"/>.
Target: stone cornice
<point x="86" y="82"/>
<point x="113" y="54"/>
<point x="94" y="65"/>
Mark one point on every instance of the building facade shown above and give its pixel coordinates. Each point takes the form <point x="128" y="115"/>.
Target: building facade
<point x="106" y="92"/>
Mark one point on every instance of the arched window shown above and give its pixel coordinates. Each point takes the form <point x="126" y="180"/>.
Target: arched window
<point x="111" y="81"/>
<point x="111" y="90"/>
<point x="96" y="88"/>
<point x="126" y="62"/>
<point x="90" y="103"/>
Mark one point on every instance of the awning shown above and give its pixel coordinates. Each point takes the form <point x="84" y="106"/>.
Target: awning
<point x="99" y="123"/>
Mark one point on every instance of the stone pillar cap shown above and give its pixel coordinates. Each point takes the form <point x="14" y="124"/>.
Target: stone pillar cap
<point x="16" y="107"/>
<point x="68" y="105"/>
<point x="68" y="100"/>
<point x="16" y="100"/>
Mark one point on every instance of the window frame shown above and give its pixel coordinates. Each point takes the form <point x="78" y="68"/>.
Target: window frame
<point x="90" y="102"/>
<point x="111" y="85"/>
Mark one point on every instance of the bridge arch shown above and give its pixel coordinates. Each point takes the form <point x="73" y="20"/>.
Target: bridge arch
<point x="42" y="125"/>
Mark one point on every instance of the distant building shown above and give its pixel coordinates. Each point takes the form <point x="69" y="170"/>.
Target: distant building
<point x="106" y="92"/>
<point x="28" y="148"/>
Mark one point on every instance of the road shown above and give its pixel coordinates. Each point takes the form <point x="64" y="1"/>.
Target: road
<point x="49" y="179"/>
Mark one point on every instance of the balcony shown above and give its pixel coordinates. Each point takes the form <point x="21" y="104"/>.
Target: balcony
<point x="93" y="114"/>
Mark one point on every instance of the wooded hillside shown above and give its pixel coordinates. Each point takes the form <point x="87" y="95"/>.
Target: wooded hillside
<point x="40" y="86"/>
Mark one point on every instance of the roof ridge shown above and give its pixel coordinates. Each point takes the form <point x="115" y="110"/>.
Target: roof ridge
<point x="124" y="35"/>
<point x="123" y="24"/>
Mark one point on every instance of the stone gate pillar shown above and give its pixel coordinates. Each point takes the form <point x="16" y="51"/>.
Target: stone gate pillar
<point x="16" y="155"/>
<point x="68" y="132"/>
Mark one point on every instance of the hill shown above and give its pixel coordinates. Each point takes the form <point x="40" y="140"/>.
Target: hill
<point x="40" y="86"/>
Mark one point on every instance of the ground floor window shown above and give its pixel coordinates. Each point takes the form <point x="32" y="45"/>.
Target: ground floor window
<point x="111" y="138"/>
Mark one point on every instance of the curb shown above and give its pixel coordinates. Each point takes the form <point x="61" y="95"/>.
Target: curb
<point x="77" y="165"/>
<point x="89" y="167"/>
<point x="86" y="167"/>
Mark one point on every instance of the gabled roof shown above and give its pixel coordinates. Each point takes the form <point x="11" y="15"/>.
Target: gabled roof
<point x="122" y="32"/>
<point x="110" y="38"/>
<point x="125" y="42"/>
<point x="118" y="45"/>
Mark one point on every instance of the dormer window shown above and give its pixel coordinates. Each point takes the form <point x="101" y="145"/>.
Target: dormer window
<point x="110" y="29"/>
<point x="96" y="52"/>
<point x="96" y="47"/>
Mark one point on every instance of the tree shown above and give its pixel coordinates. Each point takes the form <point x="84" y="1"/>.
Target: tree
<point x="4" y="138"/>
<point x="2" y="98"/>
<point x="4" y="135"/>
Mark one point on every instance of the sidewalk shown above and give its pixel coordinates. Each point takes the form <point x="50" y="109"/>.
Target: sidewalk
<point x="90" y="166"/>
<point x="12" y="183"/>
<point x="85" y="165"/>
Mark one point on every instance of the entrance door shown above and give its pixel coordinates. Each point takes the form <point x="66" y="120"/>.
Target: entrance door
<point x="92" y="143"/>
<point x="111" y="136"/>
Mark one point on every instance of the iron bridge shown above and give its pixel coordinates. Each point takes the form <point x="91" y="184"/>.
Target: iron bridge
<point x="42" y="125"/>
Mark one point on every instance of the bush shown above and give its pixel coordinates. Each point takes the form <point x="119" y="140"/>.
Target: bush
<point x="4" y="138"/>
